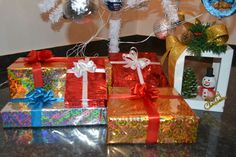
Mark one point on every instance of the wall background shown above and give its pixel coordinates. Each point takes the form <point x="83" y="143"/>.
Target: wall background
<point x="22" y="27"/>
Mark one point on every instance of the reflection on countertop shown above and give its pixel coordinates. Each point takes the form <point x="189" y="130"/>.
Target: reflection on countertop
<point x="216" y="137"/>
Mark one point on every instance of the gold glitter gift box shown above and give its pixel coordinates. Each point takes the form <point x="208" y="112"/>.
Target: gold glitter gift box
<point x="128" y="119"/>
<point x="21" y="79"/>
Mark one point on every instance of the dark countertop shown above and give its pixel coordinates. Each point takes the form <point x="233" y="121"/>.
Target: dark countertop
<point x="216" y="137"/>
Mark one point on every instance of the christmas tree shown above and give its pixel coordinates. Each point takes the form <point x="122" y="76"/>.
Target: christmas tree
<point x="189" y="85"/>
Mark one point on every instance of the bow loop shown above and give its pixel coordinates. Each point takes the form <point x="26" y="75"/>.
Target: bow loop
<point x="39" y="98"/>
<point x="83" y="66"/>
<point x="38" y="56"/>
<point x="132" y="61"/>
<point x="143" y="90"/>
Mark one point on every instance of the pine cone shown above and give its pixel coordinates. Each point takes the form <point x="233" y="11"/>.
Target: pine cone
<point x="186" y="37"/>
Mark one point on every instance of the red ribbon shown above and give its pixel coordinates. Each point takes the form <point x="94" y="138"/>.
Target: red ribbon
<point x="153" y="115"/>
<point x="35" y="59"/>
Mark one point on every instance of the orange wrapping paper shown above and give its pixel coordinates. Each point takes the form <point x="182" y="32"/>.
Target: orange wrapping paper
<point x="127" y="119"/>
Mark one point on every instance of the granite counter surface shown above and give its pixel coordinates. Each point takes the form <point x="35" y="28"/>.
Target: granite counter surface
<point x="216" y="137"/>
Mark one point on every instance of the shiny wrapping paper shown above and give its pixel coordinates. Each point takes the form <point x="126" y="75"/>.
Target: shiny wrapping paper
<point x="94" y="135"/>
<point x="128" y="119"/>
<point x="21" y="81"/>
<point x="19" y="115"/>
<point x="96" y="85"/>
<point x="126" y="77"/>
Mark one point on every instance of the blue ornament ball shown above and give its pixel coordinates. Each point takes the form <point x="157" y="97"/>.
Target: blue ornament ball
<point x="114" y="5"/>
<point x="220" y="8"/>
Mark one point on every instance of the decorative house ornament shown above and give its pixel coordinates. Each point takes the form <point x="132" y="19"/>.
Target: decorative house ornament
<point x="177" y="51"/>
<point x="221" y="71"/>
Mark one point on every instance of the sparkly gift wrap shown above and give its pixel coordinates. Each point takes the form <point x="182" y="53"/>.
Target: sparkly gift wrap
<point x="19" y="115"/>
<point x="126" y="77"/>
<point x="128" y="119"/>
<point x="96" y="84"/>
<point x="64" y="135"/>
<point x="21" y="80"/>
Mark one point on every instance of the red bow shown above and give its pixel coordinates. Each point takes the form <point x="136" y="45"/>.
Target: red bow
<point x="143" y="90"/>
<point x="38" y="56"/>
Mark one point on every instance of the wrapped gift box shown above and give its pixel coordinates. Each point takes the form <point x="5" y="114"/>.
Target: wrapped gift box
<point x="127" y="77"/>
<point x="20" y="115"/>
<point x="21" y="80"/>
<point x="89" y="90"/>
<point x="130" y="118"/>
<point x="65" y="135"/>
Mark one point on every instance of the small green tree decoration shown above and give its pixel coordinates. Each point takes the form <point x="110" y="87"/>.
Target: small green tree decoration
<point x="189" y="85"/>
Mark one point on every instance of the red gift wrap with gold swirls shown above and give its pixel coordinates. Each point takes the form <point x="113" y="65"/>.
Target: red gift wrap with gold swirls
<point x="128" y="118"/>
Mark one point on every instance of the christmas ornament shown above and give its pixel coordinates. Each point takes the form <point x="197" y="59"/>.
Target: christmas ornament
<point x="186" y="37"/>
<point x="78" y="9"/>
<point x="114" y="5"/>
<point x="207" y="90"/>
<point x="189" y="85"/>
<point x="161" y="28"/>
<point x="220" y="8"/>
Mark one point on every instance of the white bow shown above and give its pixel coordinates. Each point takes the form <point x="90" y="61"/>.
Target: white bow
<point x="83" y="66"/>
<point x="132" y="61"/>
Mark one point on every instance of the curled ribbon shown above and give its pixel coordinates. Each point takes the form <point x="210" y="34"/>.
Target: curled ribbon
<point x="83" y="66"/>
<point x="132" y="61"/>
<point x="37" y="99"/>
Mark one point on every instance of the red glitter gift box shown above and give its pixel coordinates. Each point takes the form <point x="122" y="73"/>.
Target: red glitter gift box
<point x="86" y="82"/>
<point x="125" y="76"/>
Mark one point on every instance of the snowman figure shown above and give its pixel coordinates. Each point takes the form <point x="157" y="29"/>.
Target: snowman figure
<point x="207" y="90"/>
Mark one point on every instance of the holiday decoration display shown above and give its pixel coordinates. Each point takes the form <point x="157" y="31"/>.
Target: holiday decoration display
<point x="207" y="90"/>
<point x="86" y="84"/>
<point x="189" y="85"/>
<point x="38" y="69"/>
<point x="156" y="116"/>
<point x="220" y="8"/>
<point x="212" y="37"/>
<point x="114" y="5"/>
<point x="131" y="68"/>
<point x="221" y="71"/>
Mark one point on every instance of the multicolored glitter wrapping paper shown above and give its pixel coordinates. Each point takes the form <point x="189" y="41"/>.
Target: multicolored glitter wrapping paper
<point x="96" y="83"/>
<point x="126" y="77"/>
<point x="21" y="81"/>
<point x="84" y="136"/>
<point x="127" y="118"/>
<point x="19" y="115"/>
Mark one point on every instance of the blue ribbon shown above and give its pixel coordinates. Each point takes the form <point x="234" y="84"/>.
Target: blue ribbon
<point x="37" y="99"/>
